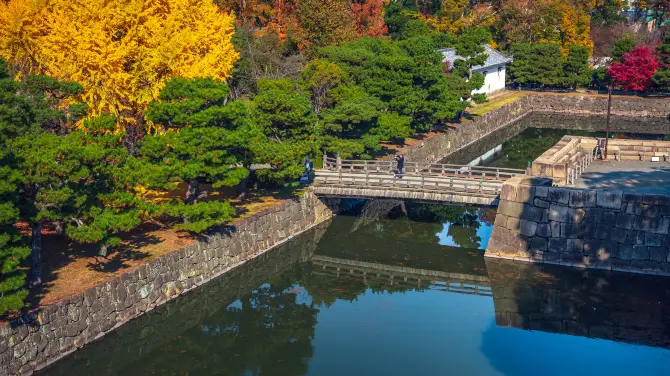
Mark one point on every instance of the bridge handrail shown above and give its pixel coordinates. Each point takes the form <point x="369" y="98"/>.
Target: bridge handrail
<point x="362" y="165"/>
<point x="424" y="182"/>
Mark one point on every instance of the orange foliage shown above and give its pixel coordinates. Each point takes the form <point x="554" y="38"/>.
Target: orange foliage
<point x="369" y="17"/>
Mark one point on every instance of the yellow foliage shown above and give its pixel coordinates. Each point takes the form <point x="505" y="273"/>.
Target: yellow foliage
<point x="121" y="51"/>
<point x="458" y="15"/>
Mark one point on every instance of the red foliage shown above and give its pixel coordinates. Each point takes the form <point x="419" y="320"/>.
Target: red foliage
<point x="369" y="17"/>
<point x="636" y="69"/>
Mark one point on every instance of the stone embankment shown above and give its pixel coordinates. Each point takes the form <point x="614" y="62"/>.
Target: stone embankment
<point x="49" y="333"/>
<point x="611" y="230"/>
<point x="629" y="114"/>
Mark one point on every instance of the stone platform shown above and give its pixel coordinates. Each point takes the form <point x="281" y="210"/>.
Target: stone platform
<point x="638" y="176"/>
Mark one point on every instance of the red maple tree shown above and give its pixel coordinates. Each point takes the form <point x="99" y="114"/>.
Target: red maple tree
<point x="636" y="69"/>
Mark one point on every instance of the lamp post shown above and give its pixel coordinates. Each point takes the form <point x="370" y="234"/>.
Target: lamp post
<point x="607" y="124"/>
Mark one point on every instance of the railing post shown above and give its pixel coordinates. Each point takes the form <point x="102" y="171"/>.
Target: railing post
<point x="338" y="162"/>
<point x="498" y="173"/>
<point x="325" y="161"/>
<point x="481" y="181"/>
<point x="365" y="166"/>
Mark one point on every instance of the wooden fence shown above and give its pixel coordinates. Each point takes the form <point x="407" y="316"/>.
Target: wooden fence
<point x="415" y="168"/>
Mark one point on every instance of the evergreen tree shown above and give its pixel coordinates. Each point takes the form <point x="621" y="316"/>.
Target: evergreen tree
<point x="537" y="65"/>
<point x="207" y="141"/>
<point x="662" y="76"/>
<point x="42" y="108"/>
<point x="13" y="250"/>
<point x="621" y="47"/>
<point x="576" y="67"/>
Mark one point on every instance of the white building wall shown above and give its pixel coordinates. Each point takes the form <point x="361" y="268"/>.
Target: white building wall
<point x="494" y="79"/>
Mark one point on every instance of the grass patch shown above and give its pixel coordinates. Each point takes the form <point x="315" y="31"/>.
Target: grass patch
<point x="509" y="97"/>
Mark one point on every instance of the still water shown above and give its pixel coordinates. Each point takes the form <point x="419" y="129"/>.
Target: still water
<point x="396" y="288"/>
<point x="518" y="144"/>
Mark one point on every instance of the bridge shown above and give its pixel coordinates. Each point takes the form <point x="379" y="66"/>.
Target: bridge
<point x="447" y="183"/>
<point x="401" y="275"/>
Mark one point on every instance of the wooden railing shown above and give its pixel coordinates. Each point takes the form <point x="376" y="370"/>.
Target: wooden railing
<point x="415" y="168"/>
<point x="414" y="182"/>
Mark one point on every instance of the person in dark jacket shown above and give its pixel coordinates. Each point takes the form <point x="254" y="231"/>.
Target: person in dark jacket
<point x="401" y="163"/>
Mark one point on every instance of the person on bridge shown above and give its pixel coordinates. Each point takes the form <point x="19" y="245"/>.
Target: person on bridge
<point x="401" y="163"/>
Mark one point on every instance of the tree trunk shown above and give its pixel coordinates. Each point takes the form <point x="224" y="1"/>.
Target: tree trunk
<point x="192" y="192"/>
<point x="103" y="251"/>
<point x="241" y="188"/>
<point x="36" y="255"/>
<point x="60" y="228"/>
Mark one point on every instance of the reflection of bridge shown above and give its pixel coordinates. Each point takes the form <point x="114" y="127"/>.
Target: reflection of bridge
<point x="473" y="185"/>
<point x="401" y="275"/>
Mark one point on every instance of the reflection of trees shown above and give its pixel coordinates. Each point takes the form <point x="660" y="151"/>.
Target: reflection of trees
<point x="266" y="332"/>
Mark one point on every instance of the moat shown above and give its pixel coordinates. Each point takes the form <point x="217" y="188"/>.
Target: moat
<point x="395" y="288"/>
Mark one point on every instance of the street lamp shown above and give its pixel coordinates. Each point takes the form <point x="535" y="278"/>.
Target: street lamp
<point x="607" y="124"/>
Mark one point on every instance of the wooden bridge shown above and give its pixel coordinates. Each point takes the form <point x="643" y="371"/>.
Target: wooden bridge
<point x="453" y="184"/>
<point x="401" y="275"/>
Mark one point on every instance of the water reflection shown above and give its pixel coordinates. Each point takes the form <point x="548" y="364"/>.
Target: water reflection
<point x="615" y="306"/>
<point x="525" y="140"/>
<point x="381" y="294"/>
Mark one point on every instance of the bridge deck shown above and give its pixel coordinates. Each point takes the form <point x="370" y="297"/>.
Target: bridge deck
<point x="470" y="185"/>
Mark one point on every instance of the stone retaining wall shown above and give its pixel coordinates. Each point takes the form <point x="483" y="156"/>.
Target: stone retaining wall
<point x="611" y="230"/>
<point x="436" y="148"/>
<point x="165" y="325"/>
<point x="597" y="105"/>
<point x="630" y="114"/>
<point x="48" y="334"/>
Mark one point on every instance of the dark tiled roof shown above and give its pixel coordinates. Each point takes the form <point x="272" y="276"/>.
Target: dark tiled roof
<point x="494" y="57"/>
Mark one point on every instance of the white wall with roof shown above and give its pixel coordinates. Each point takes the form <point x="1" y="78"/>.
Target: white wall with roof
<point x="494" y="68"/>
<point x="494" y="79"/>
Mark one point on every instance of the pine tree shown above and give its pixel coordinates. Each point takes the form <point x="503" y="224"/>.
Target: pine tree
<point x="13" y="250"/>
<point x="207" y="141"/>
<point x="576" y="67"/>
<point x="662" y="76"/>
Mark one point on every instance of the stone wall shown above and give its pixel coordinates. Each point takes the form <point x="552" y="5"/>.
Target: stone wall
<point x="582" y="302"/>
<point x="436" y="148"/>
<point x="611" y="230"/>
<point x="627" y="106"/>
<point x="629" y="114"/>
<point x="48" y="334"/>
<point x="571" y="154"/>
<point x="166" y="325"/>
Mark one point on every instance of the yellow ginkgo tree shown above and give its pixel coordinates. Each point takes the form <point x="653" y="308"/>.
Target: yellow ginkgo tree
<point x="121" y="51"/>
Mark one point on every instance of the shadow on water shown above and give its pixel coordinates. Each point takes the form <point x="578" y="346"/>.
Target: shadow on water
<point x="544" y="300"/>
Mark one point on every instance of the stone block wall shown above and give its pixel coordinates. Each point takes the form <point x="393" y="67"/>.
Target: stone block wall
<point x="48" y="334"/>
<point x="611" y="230"/>
<point x="568" y="154"/>
<point x="167" y="324"/>
<point x="587" y="112"/>
<point x="597" y="105"/>
<point x="436" y="148"/>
